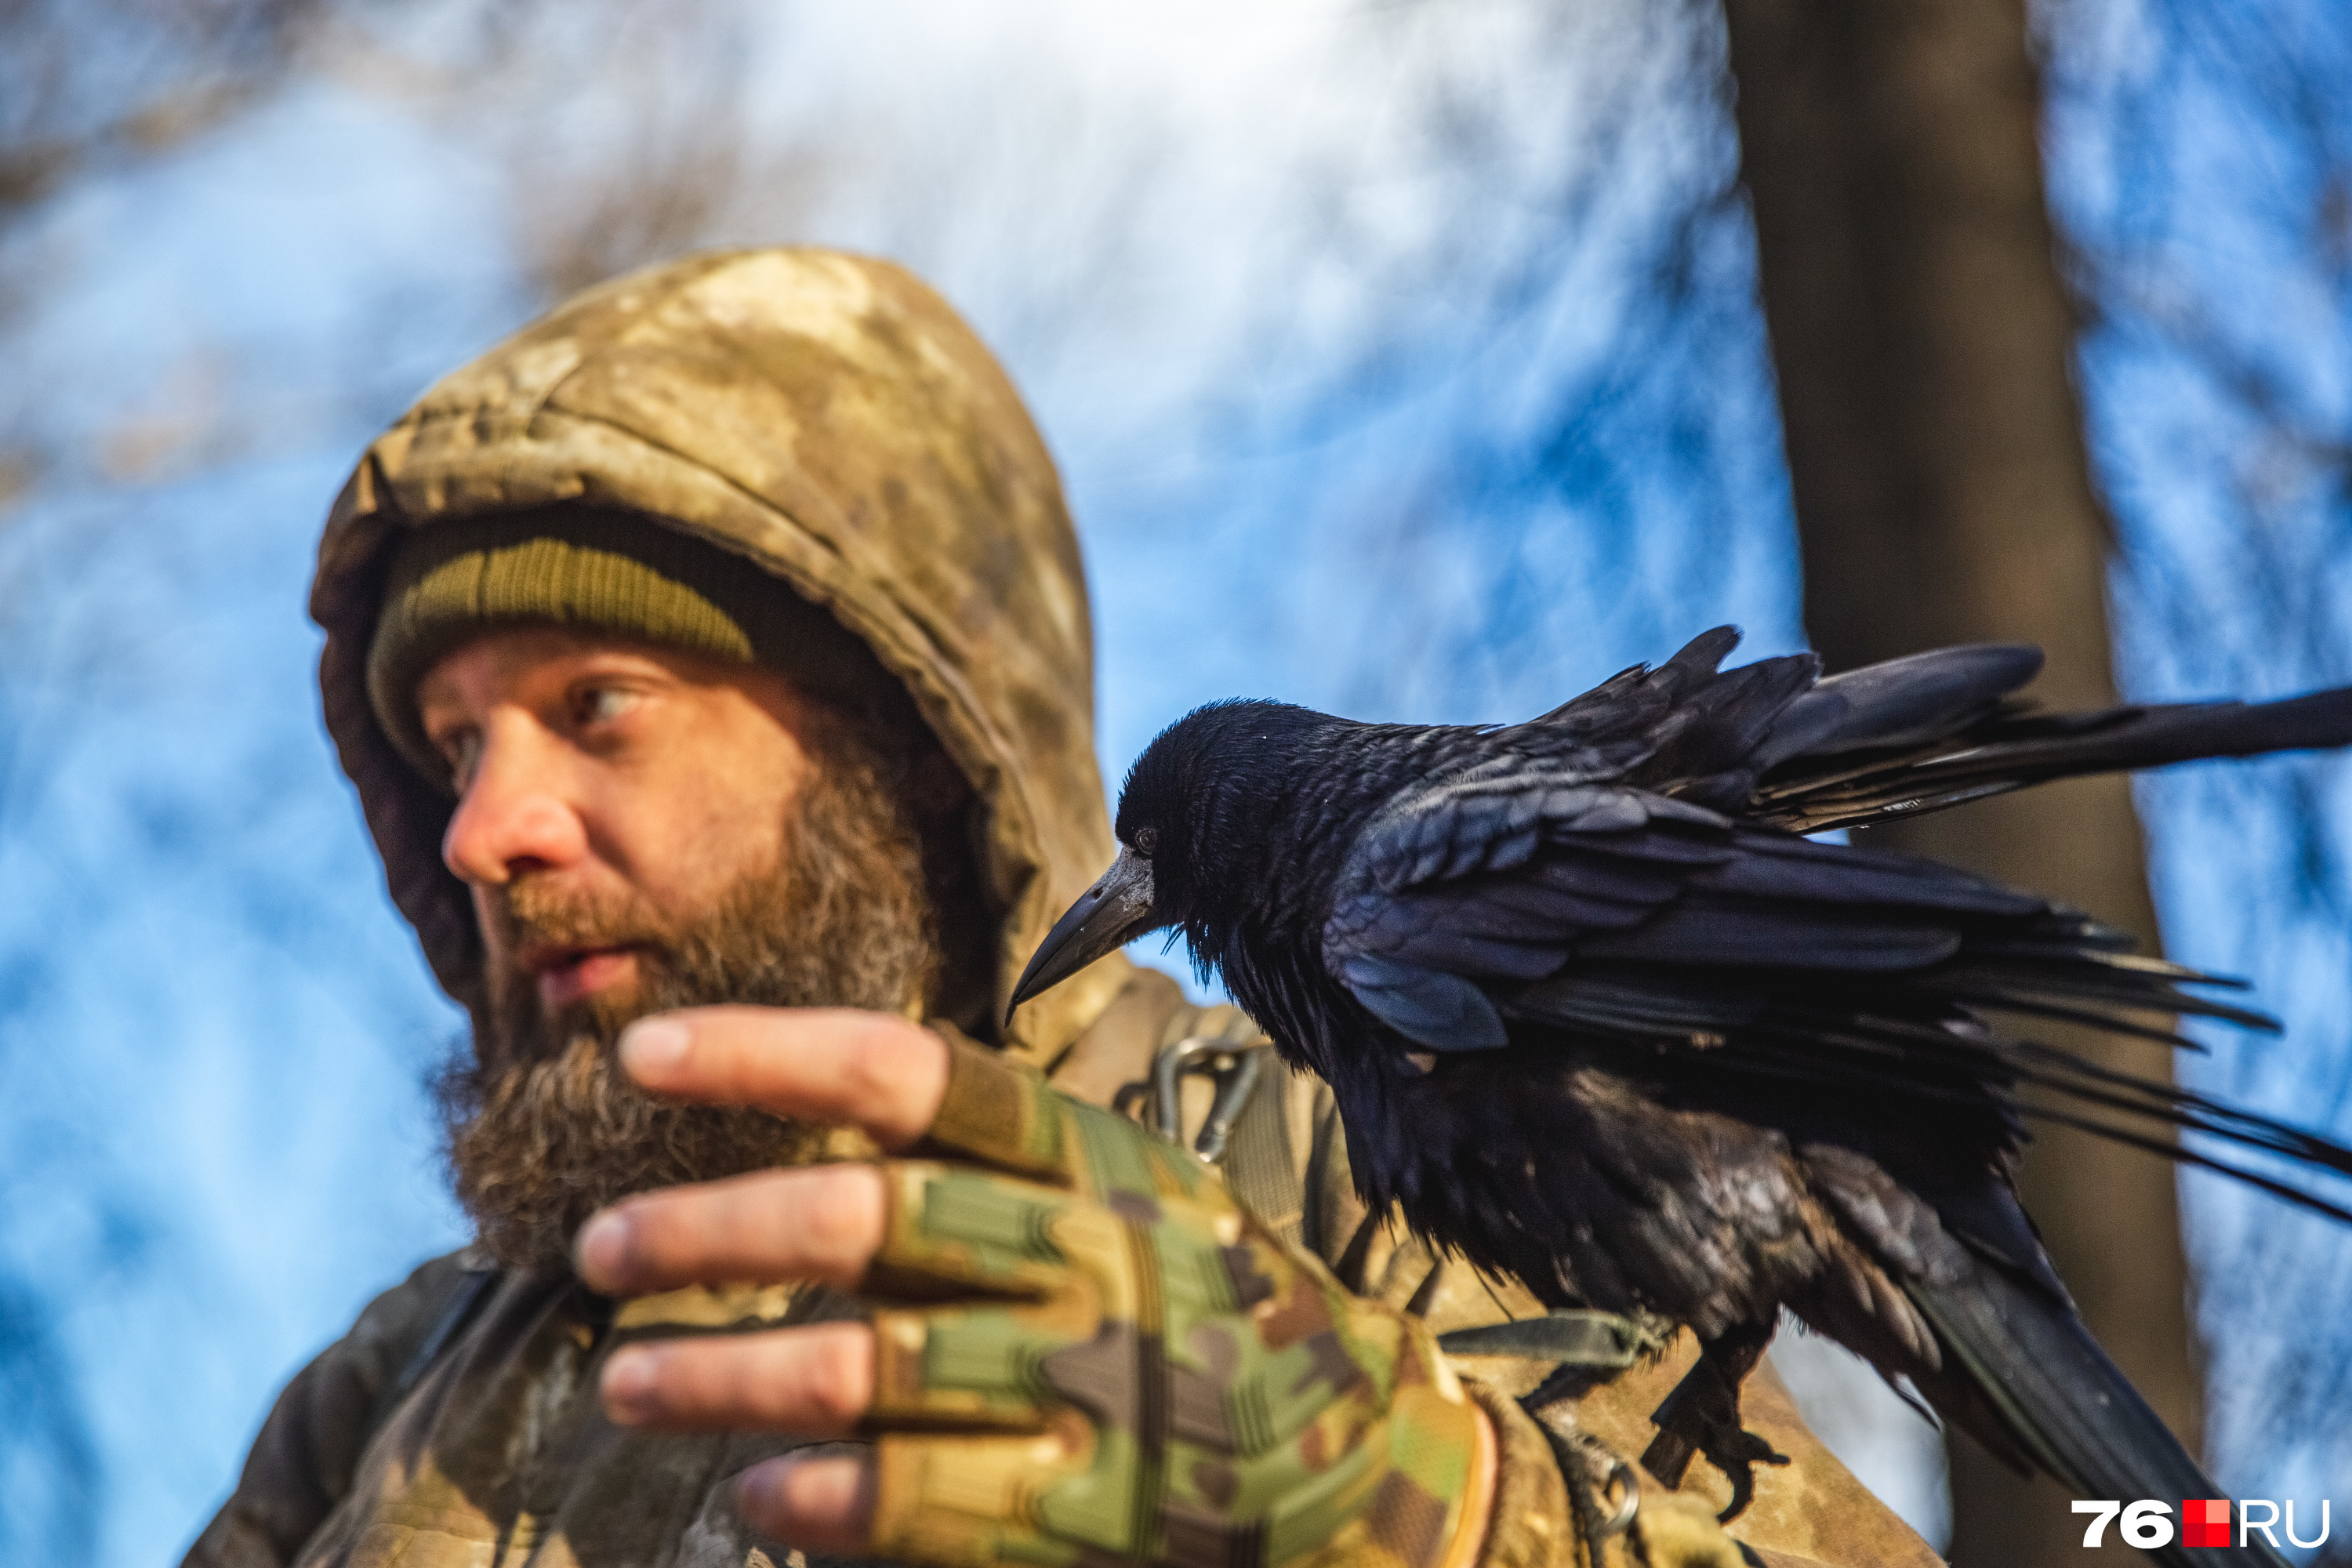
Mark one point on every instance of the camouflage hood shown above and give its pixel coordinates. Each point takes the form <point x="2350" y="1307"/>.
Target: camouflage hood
<point x="828" y="418"/>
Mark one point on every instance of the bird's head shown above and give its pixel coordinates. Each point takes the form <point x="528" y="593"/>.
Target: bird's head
<point x="1196" y="808"/>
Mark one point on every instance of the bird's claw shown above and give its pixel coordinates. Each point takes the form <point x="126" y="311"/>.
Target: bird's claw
<point x="1725" y="1444"/>
<point x="1702" y="1417"/>
<point x="1737" y="1453"/>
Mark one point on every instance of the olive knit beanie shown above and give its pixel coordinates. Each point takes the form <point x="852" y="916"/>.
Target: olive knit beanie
<point x="598" y="570"/>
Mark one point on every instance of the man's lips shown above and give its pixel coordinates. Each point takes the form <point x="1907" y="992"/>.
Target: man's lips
<point x="568" y="974"/>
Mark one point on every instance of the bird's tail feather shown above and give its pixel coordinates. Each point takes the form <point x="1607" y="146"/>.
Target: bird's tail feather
<point x="1814" y="792"/>
<point x="2022" y="1375"/>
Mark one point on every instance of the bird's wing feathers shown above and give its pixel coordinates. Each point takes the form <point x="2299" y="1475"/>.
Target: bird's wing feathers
<point x="1474" y="880"/>
<point x="1900" y="702"/>
<point x="1642" y="689"/>
<point x="1475" y="886"/>
<point x="1821" y="770"/>
<point x="1684" y="730"/>
<point x="1778" y="902"/>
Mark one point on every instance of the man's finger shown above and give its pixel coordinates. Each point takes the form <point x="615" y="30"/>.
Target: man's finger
<point x="823" y="1505"/>
<point x="821" y="1224"/>
<point x="815" y="1381"/>
<point x="832" y="1064"/>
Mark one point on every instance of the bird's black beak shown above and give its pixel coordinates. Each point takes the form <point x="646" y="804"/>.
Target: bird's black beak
<point x="1107" y="916"/>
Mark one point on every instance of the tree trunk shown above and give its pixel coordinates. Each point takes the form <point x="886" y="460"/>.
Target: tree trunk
<point x="1922" y="338"/>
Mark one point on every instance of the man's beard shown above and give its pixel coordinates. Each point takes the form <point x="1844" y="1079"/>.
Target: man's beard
<point x="544" y="1128"/>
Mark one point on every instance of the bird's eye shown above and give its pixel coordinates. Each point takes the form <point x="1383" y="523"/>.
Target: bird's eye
<point x="1147" y="840"/>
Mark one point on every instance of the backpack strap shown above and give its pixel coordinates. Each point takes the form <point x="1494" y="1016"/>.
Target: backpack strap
<point x="1570" y="1336"/>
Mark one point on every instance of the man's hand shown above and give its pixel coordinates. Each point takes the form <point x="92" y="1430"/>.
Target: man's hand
<point x="1079" y="1345"/>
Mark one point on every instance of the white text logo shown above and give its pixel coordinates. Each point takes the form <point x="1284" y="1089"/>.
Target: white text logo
<point x="2204" y="1521"/>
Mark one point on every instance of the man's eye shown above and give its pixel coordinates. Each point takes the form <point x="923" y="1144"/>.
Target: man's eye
<point x="463" y="750"/>
<point x="602" y="704"/>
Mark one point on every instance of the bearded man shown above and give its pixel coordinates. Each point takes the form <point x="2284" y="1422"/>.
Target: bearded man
<point x="712" y="662"/>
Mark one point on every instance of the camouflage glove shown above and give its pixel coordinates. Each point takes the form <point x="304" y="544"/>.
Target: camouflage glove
<point x="1187" y="1388"/>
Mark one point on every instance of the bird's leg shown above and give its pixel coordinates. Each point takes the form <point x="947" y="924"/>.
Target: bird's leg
<point x="1702" y="1417"/>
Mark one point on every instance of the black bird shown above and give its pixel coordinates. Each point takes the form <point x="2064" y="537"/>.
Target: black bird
<point x="1596" y="1015"/>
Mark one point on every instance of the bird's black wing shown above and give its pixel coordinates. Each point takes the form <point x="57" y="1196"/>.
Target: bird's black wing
<point x="1461" y="895"/>
<point x="1696" y="732"/>
<point x="1850" y="780"/>
<point x="1508" y="892"/>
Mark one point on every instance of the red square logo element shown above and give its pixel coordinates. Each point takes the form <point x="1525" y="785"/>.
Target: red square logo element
<point x="2205" y="1521"/>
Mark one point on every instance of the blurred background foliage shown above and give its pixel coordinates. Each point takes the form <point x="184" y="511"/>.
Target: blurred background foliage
<point x="1403" y="359"/>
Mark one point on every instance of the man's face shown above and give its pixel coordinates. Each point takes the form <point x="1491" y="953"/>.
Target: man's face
<point x="594" y="775"/>
<point x="643" y="830"/>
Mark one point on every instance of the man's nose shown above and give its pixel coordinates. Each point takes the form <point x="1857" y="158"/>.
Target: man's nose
<point x="515" y="815"/>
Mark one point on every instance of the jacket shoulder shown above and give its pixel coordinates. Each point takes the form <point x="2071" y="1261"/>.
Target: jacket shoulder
<point x="302" y="1461"/>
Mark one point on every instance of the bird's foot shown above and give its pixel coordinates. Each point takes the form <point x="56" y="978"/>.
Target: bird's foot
<point x="1701" y="1416"/>
<point x="1737" y="1453"/>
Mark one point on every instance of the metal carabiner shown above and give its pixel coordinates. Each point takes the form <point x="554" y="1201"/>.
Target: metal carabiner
<point x="1232" y="1066"/>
